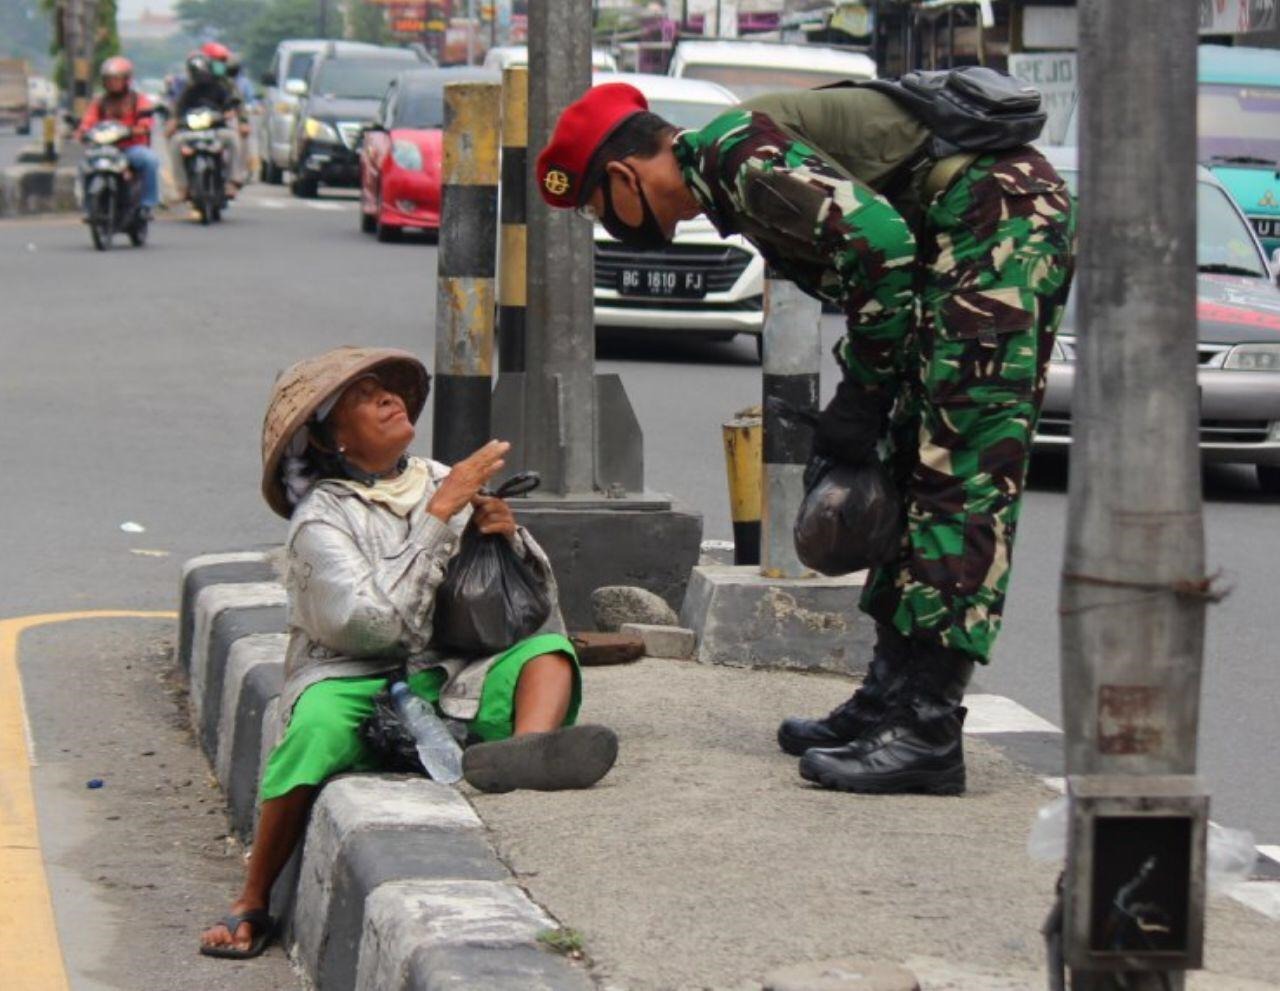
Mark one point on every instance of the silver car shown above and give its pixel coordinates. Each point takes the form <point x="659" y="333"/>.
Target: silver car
<point x="1239" y="351"/>
<point x="283" y="84"/>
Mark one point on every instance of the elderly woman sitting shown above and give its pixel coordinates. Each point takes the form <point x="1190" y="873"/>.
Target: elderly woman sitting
<point x="371" y="532"/>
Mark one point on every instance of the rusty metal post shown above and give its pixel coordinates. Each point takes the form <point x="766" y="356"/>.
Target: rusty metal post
<point x="465" y="281"/>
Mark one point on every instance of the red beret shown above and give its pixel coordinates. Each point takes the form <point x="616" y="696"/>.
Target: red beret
<point x="582" y="128"/>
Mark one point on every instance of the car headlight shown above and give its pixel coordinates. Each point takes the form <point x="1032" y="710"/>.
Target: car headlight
<point x="407" y="155"/>
<point x="318" y="130"/>
<point x="1254" y="358"/>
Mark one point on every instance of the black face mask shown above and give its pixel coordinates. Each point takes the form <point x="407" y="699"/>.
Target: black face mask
<point x="647" y="237"/>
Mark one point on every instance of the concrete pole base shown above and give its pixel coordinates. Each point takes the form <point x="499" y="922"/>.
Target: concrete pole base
<point x="593" y="542"/>
<point x="842" y="975"/>
<point x="743" y="619"/>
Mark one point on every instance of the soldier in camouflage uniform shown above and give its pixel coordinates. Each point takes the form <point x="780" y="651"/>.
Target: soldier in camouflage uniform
<point x="953" y="275"/>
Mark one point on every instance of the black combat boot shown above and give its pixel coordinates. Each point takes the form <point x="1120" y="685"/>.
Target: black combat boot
<point x="918" y="746"/>
<point x="864" y="710"/>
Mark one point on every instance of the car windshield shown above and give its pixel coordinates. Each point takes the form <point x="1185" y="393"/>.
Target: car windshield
<point x="1223" y="241"/>
<point x="1239" y="122"/>
<point x="300" y="65"/>
<point x="357" y="79"/>
<point x="747" y="81"/>
<point x="421" y="108"/>
<point x="687" y="114"/>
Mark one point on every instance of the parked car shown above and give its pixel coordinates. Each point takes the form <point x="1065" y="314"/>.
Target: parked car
<point x="343" y="92"/>
<point x="699" y="284"/>
<point x="750" y="68"/>
<point x="400" y="152"/>
<point x="1239" y="350"/>
<point x="504" y="56"/>
<point x="15" y="105"/>
<point x="1238" y="126"/>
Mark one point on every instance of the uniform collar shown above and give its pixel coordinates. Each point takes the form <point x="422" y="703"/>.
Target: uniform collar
<point x="689" y="148"/>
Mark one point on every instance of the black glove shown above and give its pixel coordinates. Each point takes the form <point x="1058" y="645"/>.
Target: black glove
<point x="851" y="426"/>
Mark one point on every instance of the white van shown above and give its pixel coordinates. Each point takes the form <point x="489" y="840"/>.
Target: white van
<point x="503" y="57"/>
<point x="750" y="68"/>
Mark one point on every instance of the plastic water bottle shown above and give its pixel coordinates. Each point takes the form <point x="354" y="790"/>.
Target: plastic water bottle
<point x="437" y="749"/>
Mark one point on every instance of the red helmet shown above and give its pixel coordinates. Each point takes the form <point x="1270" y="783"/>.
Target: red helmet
<point x="116" y="68"/>
<point x="215" y="51"/>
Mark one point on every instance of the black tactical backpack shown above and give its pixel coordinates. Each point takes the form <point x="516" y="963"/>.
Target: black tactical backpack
<point x="968" y="109"/>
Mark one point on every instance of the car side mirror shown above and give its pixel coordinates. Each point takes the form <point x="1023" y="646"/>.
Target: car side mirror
<point x="295" y="87"/>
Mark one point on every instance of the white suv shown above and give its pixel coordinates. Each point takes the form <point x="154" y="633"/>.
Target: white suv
<point x="700" y="283"/>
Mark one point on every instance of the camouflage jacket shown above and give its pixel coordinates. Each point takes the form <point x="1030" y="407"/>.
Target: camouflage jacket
<point x="815" y="222"/>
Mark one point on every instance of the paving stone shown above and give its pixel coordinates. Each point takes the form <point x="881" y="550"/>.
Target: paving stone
<point x="672" y="642"/>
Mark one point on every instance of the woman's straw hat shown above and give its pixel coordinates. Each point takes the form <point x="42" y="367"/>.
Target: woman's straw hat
<point x="303" y="388"/>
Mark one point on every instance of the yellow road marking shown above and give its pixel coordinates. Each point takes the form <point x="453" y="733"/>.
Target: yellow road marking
<point x="29" y="947"/>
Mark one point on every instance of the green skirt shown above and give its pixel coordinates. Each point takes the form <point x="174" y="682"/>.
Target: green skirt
<point x="323" y="737"/>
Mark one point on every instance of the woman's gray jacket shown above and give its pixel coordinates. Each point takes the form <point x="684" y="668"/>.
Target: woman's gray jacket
<point x="362" y="584"/>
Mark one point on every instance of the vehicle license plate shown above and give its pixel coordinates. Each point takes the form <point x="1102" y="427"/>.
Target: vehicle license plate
<point x="1267" y="226"/>
<point x="661" y="282"/>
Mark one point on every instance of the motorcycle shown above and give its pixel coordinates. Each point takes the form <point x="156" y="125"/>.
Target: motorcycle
<point x="204" y="156"/>
<point x="111" y="191"/>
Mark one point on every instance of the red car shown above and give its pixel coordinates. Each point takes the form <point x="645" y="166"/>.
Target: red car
<point x="400" y="152"/>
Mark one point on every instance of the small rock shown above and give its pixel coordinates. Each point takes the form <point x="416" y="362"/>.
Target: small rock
<point x="671" y="642"/>
<point x="614" y="605"/>
<point x="94" y="783"/>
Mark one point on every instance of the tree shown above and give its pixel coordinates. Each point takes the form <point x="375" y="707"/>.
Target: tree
<point x="367" y="22"/>
<point x="230" y="21"/>
<point x="281" y="19"/>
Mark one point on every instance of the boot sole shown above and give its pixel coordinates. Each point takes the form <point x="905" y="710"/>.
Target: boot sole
<point x="575" y="757"/>
<point x="950" y="782"/>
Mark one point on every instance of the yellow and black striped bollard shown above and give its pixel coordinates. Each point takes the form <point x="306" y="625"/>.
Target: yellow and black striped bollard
<point x="512" y="284"/>
<point x="465" y="282"/>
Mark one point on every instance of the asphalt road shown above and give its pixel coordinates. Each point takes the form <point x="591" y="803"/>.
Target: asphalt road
<point x="132" y="388"/>
<point x="11" y="144"/>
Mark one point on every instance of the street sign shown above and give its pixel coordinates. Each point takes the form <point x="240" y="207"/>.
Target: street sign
<point x="1238" y="16"/>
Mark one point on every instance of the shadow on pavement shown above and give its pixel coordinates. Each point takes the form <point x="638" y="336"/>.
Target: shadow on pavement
<point x="673" y="348"/>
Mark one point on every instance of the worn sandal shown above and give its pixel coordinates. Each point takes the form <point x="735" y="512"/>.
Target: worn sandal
<point x="576" y="757"/>
<point x="261" y="925"/>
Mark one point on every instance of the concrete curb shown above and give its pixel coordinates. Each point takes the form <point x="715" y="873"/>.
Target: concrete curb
<point x="33" y="189"/>
<point x="397" y="886"/>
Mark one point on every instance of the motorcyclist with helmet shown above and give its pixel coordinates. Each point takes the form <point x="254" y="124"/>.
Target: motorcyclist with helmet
<point x="207" y="87"/>
<point x="120" y="101"/>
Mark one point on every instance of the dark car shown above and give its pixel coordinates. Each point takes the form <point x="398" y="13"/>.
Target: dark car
<point x="1239" y="347"/>
<point x="344" y="90"/>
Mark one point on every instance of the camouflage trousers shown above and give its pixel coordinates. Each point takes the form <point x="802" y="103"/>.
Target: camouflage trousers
<point x="993" y="267"/>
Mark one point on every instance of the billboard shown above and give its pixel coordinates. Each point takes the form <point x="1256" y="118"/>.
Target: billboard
<point x="1238" y="16"/>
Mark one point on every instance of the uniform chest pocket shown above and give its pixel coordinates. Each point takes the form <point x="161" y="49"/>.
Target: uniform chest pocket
<point x="980" y="348"/>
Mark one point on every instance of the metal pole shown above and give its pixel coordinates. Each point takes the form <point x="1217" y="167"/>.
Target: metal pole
<point x="792" y="358"/>
<point x="512" y="289"/>
<point x="472" y="26"/>
<point x="560" y="397"/>
<point x="1132" y="624"/>
<point x="323" y="19"/>
<point x="464" y="287"/>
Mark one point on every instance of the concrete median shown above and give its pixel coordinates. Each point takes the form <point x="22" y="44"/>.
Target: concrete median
<point x="34" y="189"/>
<point x="397" y="885"/>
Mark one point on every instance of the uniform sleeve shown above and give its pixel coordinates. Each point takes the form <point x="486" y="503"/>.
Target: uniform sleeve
<point x="755" y="169"/>
<point x="361" y="607"/>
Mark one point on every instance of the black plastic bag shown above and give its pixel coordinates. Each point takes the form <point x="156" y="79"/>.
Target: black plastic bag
<point x="490" y="599"/>
<point x="851" y="518"/>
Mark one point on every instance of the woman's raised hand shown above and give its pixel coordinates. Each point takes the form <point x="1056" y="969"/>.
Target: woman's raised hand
<point x="466" y="479"/>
